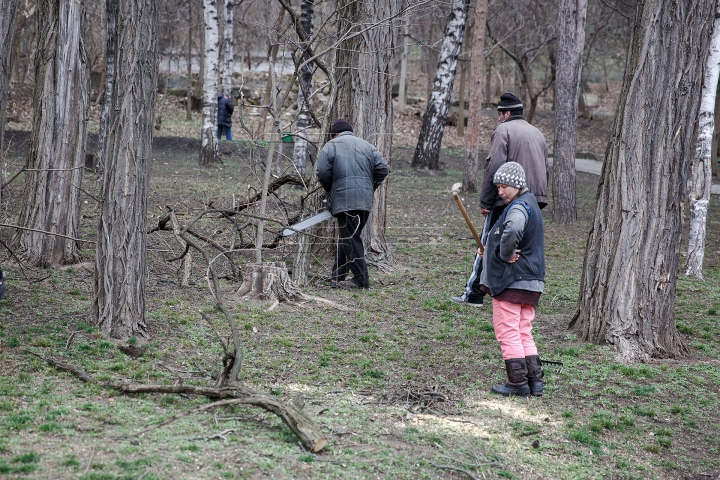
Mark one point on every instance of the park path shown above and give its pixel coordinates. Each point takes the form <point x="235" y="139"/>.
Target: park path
<point x="595" y="167"/>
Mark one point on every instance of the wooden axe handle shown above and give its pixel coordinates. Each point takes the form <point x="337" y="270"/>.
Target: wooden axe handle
<point x="468" y="221"/>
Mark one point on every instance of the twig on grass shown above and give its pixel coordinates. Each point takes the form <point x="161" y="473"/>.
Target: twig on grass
<point x="457" y="469"/>
<point x="70" y="339"/>
<point x="92" y="455"/>
<point x="207" y="319"/>
<point x="293" y="417"/>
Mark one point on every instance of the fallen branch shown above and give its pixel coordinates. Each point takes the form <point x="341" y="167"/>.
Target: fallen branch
<point x="306" y="431"/>
<point x="457" y="469"/>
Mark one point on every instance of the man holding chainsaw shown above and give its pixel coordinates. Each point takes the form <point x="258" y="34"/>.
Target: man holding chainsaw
<point x="514" y="140"/>
<point x="350" y="169"/>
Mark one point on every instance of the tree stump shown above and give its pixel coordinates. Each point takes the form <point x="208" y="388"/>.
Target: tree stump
<point x="269" y="281"/>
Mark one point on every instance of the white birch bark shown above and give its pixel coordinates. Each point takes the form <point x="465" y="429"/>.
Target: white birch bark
<point x="701" y="168"/>
<point x="57" y="149"/>
<point x="428" y="147"/>
<point x="208" y="151"/>
<point x="228" y="49"/>
<point x="305" y="80"/>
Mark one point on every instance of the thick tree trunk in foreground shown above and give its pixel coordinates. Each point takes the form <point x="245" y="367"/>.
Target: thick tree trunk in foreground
<point x="57" y="149"/>
<point x="8" y="21"/>
<point x="427" y="151"/>
<point x="120" y="266"/>
<point x="365" y="66"/>
<point x="628" y="284"/>
<point x="305" y="79"/>
<point x="572" y="15"/>
<point x="209" y="149"/>
<point x="474" y="130"/>
<point x="701" y="171"/>
<point x="111" y="12"/>
<point x="228" y="49"/>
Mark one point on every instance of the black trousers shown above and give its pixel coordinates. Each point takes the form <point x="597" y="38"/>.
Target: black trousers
<point x="350" y="254"/>
<point x="472" y="289"/>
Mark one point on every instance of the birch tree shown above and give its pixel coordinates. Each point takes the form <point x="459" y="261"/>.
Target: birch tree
<point x="628" y="285"/>
<point x="118" y="307"/>
<point x="474" y="126"/>
<point x="427" y="150"/>
<point x="57" y="147"/>
<point x="572" y="15"/>
<point x="8" y="21"/>
<point x="300" y="148"/>
<point x="111" y="22"/>
<point x="209" y="149"/>
<point x="228" y="49"/>
<point x="701" y="170"/>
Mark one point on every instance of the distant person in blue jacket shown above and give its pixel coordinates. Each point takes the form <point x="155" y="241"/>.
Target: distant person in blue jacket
<point x="225" y="111"/>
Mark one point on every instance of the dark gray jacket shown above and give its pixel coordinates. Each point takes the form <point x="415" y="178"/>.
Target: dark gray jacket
<point x="350" y="169"/>
<point x="515" y="140"/>
<point x="225" y="111"/>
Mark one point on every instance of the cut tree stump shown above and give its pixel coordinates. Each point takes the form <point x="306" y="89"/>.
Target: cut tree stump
<point x="269" y="281"/>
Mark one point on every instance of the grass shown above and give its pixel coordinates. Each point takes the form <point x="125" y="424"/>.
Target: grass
<point x="598" y="418"/>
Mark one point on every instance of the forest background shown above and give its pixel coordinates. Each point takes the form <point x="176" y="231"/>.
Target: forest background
<point x="418" y="406"/>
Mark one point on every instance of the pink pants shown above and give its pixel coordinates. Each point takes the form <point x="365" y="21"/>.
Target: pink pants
<point x="513" y="324"/>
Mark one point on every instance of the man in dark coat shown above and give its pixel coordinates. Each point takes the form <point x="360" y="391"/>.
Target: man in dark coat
<point x="513" y="140"/>
<point x="225" y="111"/>
<point x="350" y="169"/>
<point x="2" y="284"/>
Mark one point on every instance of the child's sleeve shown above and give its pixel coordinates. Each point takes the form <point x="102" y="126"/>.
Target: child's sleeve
<point x="515" y="222"/>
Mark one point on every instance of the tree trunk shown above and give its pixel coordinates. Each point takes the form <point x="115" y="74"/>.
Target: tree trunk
<point x="228" y="49"/>
<point x="209" y="149"/>
<point x="701" y="172"/>
<point x="188" y="85"/>
<point x="111" y="12"/>
<point x="120" y="265"/>
<point x="402" y="90"/>
<point x="628" y="285"/>
<point x="305" y="80"/>
<point x="427" y="150"/>
<point x="716" y="136"/>
<point x="57" y="149"/>
<point x="572" y="15"/>
<point x="365" y="66"/>
<point x="272" y="56"/>
<point x="461" y="99"/>
<point x="8" y="16"/>
<point x="474" y="126"/>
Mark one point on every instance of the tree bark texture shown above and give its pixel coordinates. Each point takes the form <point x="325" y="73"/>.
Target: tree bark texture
<point x="57" y="149"/>
<point x="8" y="22"/>
<point x="111" y="12"/>
<point x="209" y="148"/>
<point x="228" y="49"/>
<point x="120" y="265"/>
<point x="427" y="151"/>
<point x="572" y="16"/>
<point x="188" y="85"/>
<point x="300" y="147"/>
<point x="628" y="285"/>
<point x="700" y="169"/>
<point x="402" y="88"/>
<point x="474" y="125"/>
<point x="365" y="65"/>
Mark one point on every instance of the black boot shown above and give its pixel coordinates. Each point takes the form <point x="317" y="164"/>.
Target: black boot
<point x="535" y="375"/>
<point x="517" y="383"/>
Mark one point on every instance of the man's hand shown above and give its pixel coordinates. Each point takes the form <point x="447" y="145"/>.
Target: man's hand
<point x="484" y="211"/>
<point x="515" y="257"/>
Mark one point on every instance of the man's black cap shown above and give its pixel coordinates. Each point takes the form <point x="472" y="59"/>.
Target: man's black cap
<point x="340" y="125"/>
<point x="508" y="101"/>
